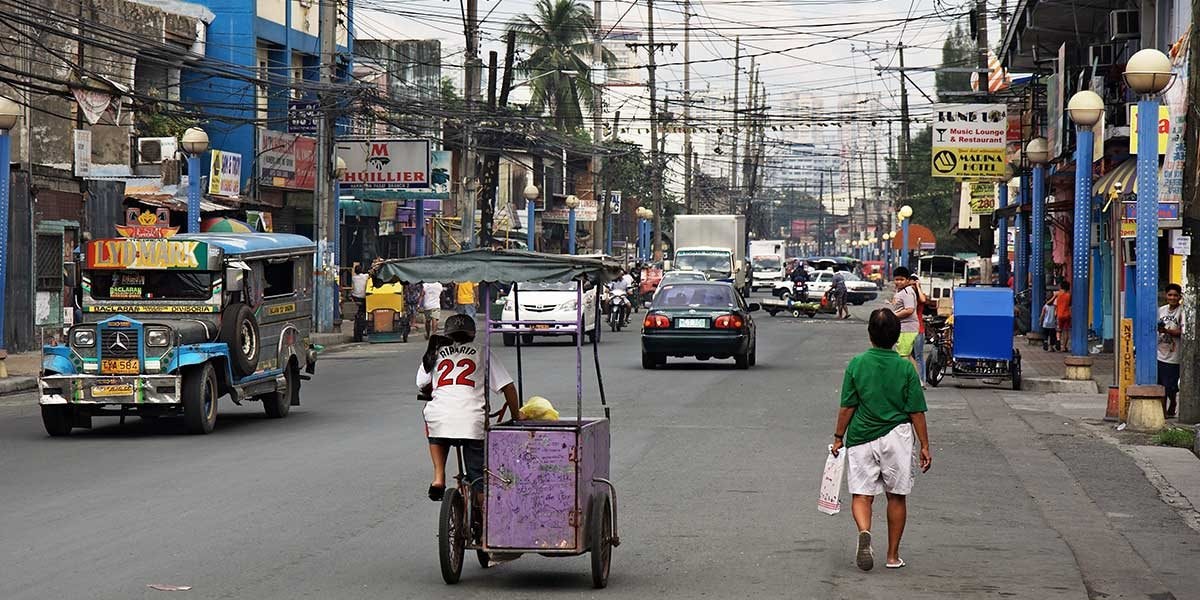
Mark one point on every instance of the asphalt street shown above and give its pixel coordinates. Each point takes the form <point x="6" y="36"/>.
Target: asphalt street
<point x="717" y="471"/>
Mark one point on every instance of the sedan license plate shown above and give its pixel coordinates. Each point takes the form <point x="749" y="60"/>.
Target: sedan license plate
<point x="109" y="391"/>
<point x="691" y="323"/>
<point x="123" y="366"/>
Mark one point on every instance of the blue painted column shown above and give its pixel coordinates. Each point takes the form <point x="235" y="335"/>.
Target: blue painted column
<point x="530" y="217"/>
<point x="904" y="242"/>
<point x="420" y="233"/>
<point x="1020" y="243"/>
<point x="193" y="197"/>
<point x="571" y="231"/>
<point x="1002" y="229"/>
<point x="608" y="235"/>
<point x="1081" y="245"/>
<point x="1037" y="261"/>
<point x="1145" y="316"/>
<point x="5" y="159"/>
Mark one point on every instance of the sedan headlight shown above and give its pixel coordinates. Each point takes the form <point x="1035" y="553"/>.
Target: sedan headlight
<point x="572" y="304"/>
<point x="83" y="338"/>
<point x="158" y="337"/>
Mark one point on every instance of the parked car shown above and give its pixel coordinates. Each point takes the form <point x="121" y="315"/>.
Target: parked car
<point x="858" y="291"/>
<point x="554" y="305"/>
<point x="701" y="319"/>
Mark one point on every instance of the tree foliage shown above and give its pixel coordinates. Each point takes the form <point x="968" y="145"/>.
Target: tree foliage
<point x="931" y="198"/>
<point x="959" y="50"/>
<point x="558" y="36"/>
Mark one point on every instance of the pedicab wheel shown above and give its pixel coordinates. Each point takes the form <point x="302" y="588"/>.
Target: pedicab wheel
<point x="600" y="532"/>
<point x="452" y="534"/>
<point x="796" y="313"/>
<point x="933" y="370"/>
<point x="1016" y="373"/>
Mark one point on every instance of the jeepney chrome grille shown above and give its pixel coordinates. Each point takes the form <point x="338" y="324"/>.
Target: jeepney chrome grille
<point x="119" y="343"/>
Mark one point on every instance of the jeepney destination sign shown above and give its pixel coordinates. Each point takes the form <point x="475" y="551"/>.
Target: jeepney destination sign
<point x="146" y="254"/>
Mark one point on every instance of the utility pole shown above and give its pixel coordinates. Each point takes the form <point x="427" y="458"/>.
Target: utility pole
<point x="985" y="221"/>
<point x="688" y="200"/>
<point x="326" y="208"/>
<point x="598" y="192"/>
<point x="749" y="121"/>
<point x="821" y="216"/>
<point x="655" y="166"/>
<point x="468" y="193"/>
<point x="1189" y="394"/>
<point x="733" y="156"/>
<point x="903" y="162"/>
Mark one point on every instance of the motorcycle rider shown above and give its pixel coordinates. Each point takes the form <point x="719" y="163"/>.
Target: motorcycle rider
<point x="623" y="283"/>
<point x="799" y="277"/>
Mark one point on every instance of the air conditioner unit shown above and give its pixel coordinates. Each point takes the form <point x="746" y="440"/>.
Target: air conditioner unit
<point x="1124" y="25"/>
<point x="1103" y="55"/>
<point x="152" y="151"/>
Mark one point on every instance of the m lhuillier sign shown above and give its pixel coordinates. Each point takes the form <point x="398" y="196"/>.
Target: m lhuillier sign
<point x="969" y="140"/>
<point x="394" y="164"/>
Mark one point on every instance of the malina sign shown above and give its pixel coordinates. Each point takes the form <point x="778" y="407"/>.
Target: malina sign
<point x="394" y="164"/>
<point x="969" y="140"/>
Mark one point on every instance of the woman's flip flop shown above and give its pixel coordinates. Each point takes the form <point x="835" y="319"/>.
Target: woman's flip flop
<point x="896" y="565"/>
<point x="436" y="492"/>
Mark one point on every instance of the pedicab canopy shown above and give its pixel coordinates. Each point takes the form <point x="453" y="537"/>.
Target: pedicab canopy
<point x="983" y="323"/>
<point x="494" y="266"/>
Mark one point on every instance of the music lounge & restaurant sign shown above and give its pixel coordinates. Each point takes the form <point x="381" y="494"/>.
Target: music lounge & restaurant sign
<point x="386" y="164"/>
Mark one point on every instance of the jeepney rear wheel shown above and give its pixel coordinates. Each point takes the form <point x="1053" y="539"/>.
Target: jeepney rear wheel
<point x="278" y="404"/>
<point x="239" y="329"/>
<point x="600" y="535"/>
<point x="57" y="420"/>
<point x="200" y="393"/>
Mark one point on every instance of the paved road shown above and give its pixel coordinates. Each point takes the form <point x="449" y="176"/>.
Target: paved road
<point x="717" y="470"/>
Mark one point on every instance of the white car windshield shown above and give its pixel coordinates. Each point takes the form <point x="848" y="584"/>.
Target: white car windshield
<point x="702" y="261"/>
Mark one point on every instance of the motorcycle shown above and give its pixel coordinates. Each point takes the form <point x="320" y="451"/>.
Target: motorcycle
<point x="939" y="337"/>
<point x="618" y="307"/>
<point x="791" y="291"/>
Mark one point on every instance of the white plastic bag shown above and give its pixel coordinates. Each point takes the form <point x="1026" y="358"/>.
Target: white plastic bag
<point x="830" y="501"/>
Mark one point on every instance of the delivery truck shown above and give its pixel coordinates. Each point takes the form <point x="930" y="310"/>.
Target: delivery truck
<point x="714" y="245"/>
<point x="767" y="263"/>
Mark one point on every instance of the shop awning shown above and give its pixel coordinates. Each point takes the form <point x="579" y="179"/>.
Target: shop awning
<point x="1125" y="174"/>
<point x="359" y="208"/>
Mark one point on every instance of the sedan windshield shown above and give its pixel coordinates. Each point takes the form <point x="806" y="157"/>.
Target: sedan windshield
<point x="683" y="295"/>
<point x="702" y="261"/>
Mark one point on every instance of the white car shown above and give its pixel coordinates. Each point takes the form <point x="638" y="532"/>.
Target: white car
<point x="554" y="306"/>
<point x="858" y="291"/>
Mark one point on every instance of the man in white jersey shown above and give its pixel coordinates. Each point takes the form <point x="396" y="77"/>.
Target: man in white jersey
<point x="452" y="373"/>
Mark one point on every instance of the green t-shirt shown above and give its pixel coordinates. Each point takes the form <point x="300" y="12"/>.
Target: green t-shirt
<point x="884" y="390"/>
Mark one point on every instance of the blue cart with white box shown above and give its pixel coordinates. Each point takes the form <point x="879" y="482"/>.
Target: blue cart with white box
<point x="983" y="325"/>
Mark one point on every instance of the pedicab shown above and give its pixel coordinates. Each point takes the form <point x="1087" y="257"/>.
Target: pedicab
<point x="546" y="487"/>
<point x="982" y="336"/>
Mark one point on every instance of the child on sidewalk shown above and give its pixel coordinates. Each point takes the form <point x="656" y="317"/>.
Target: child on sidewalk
<point x="1049" y="323"/>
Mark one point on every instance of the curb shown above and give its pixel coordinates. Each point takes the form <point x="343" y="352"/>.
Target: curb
<point x="16" y="385"/>
<point x="1051" y="385"/>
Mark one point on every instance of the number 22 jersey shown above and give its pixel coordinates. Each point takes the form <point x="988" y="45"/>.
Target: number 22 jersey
<point x="456" y="410"/>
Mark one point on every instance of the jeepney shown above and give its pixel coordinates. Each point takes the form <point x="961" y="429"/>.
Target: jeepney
<point x="169" y="325"/>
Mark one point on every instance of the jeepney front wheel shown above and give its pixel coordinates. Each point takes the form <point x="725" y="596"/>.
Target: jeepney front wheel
<point x="200" y="393"/>
<point x="57" y="420"/>
<point x="278" y="404"/>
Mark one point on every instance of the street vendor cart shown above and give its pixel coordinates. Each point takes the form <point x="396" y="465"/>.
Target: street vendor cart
<point x="546" y="483"/>
<point x="982" y="334"/>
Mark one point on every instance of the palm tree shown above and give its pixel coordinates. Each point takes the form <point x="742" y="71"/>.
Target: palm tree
<point x="559" y="35"/>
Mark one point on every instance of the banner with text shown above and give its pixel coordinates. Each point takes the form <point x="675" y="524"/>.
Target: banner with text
<point x="969" y="140"/>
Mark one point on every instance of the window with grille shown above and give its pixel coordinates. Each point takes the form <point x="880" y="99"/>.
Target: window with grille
<point x="49" y="262"/>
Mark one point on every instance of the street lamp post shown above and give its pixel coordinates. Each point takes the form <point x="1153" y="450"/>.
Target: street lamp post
<point x="1085" y="109"/>
<point x="1020" y="244"/>
<point x="339" y="171"/>
<point x="1002" y="227"/>
<point x="1038" y="152"/>
<point x="572" y="203"/>
<point x="887" y="255"/>
<point x="1148" y="72"/>
<point x="531" y="193"/>
<point x="644" y="215"/>
<point x="195" y="143"/>
<point x="905" y="215"/>
<point x="9" y="113"/>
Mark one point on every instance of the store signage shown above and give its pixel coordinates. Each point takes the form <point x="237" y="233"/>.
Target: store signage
<point x="983" y="197"/>
<point x="303" y="116"/>
<point x="145" y="224"/>
<point x="614" y="202"/>
<point x="83" y="152"/>
<point x="969" y="140"/>
<point x="1168" y="214"/>
<point x="1164" y="128"/>
<point x="389" y="164"/>
<point x="286" y="160"/>
<point x="146" y="254"/>
<point x="225" y="174"/>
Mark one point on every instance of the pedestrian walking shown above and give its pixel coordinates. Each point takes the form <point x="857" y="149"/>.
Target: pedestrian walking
<point x="904" y="304"/>
<point x="882" y="409"/>
<point x="1062" y="309"/>
<point x="431" y="306"/>
<point x="1170" y="330"/>
<point x="919" y="346"/>
<point x="358" y="294"/>
<point x="838" y="290"/>
<point x="465" y="297"/>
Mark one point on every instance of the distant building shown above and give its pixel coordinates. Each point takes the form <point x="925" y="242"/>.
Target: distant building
<point x="408" y="72"/>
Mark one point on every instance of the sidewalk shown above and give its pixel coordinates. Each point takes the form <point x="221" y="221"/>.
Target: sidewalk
<point x="1045" y="370"/>
<point x="24" y="367"/>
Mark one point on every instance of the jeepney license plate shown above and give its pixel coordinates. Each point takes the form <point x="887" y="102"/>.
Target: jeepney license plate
<point x="124" y="366"/>
<point x="691" y="323"/>
<point x="108" y="391"/>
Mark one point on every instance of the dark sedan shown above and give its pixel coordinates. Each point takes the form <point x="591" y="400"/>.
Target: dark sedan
<point x="701" y="319"/>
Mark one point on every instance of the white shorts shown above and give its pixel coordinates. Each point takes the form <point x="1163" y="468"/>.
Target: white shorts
<point x="886" y="464"/>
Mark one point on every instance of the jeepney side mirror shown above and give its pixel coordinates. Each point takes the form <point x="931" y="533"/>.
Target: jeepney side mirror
<point x="235" y="279"/>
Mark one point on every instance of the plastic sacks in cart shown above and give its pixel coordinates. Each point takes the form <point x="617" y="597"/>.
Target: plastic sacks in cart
<point x="539" y="409"/>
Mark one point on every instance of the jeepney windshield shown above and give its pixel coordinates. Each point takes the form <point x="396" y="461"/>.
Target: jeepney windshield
<point x="151" y="285"/>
